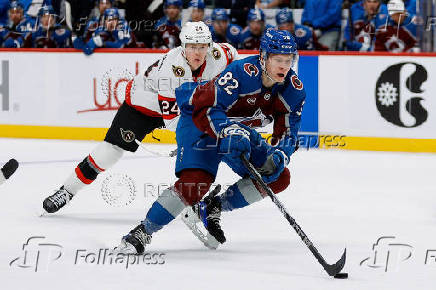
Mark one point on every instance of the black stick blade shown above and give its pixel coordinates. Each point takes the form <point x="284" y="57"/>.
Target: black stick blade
<point x="9" y="168"/>
<point x="336" y="268"/>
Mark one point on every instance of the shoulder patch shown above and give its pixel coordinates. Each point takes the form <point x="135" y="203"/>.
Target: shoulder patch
<point x="178" y="71"/>
<point x="216" y="53"/>
<point x="296" y="83"/>
<point x="60" y="31"/>
<point x="234" y="30"/>
<point x="251" y="69"/>
<point x="300" y="32"/>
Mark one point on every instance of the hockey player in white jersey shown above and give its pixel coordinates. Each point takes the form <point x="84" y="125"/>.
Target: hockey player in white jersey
<point x="150" y="103"/>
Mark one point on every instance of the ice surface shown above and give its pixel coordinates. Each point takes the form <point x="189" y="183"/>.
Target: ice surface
<point x="340" y="199"/>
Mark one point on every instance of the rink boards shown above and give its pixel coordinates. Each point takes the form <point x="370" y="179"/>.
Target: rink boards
<point x="354" y="101"/>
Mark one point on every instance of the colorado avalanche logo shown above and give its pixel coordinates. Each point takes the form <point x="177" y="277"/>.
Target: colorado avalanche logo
<point x="216" y="53"/>
<point x="234" y="30"/>
<point x="178" y="71"/>
<point x="300" y="32"/>
<point x="128" y="135"/>
<point x="296" y="83"/>
<point x="251" y="69"/>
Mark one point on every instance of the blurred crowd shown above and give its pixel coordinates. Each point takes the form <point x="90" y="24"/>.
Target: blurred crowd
<point x="360" y="25"/>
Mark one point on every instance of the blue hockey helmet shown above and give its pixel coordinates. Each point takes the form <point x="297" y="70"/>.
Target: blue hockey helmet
<point x="255" y="14"/>
<point x="198" y="4"/>
<point x="219" y="14"/>
<point x="177" y="3"/>
<point x="15" y="5"/>
<point x="278" y="41"/>
<point x="46" y="10"/>
<point x="284" y="16"/>
<point x="111" y="13"/>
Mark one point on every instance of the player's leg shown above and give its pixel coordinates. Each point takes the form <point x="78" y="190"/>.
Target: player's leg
<point x="196" y="167"/>
<point x="246" y="192"/>
<point x="129" y="124"/>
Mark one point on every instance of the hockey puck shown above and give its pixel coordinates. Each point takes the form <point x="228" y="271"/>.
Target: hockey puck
<point x="341" y="276"/>
<point x="9" y="168"/>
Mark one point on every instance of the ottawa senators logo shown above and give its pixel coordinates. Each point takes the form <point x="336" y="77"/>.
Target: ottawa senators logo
<point x="178" y="71"/>
<point x="216" y="54"/>
<point x="296" y="83"/>
<point x="127" y="135"/>
<point x="251" y="69"/>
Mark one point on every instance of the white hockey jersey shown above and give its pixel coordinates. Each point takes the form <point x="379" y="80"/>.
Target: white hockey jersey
<point x="153" y="92"/>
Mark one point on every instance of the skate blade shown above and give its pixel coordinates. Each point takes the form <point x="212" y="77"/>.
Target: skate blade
<point x="191" y="220"/>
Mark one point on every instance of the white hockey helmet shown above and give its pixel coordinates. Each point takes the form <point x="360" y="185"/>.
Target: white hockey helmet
<point x="396" y="6"/>
<point x="195" y="32"/>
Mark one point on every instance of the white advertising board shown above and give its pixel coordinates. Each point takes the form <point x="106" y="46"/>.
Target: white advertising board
<point x="377" y="96"/>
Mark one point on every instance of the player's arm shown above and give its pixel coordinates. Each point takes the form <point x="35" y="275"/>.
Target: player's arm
<point x="123" y="38"/>
<point x="287" y="118"/>
<point x="211" y="100"/>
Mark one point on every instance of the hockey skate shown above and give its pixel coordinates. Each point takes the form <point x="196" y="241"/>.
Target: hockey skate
<point x="55" y="202"/>
<point x="134" y="243"/>
<point x="203" y="219"/>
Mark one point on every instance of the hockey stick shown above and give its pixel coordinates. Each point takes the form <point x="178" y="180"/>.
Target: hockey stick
<point x="332" y="270"/>
<point x="7" y="170"/>
<point x="170" y="154"/>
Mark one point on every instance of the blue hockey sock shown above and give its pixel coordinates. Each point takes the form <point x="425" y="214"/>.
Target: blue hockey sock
<point x="165" y="209"/>
<point x="239" y="195"/>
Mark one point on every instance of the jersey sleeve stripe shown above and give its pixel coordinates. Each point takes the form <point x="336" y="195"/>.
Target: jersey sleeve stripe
<point x="163" y="98"/>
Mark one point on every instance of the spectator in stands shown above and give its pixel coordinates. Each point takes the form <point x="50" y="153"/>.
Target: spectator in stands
<point x="12" y="35"/>
<point x="48" y="34"/>
<point x="168" y="27"/>
<point x="222" y="30"/>
<point x="410" y="6"/>
<point x="324" y="16"/>
<point x="80" y="11"/>
<point x="197" y="10"/>
<point x="238" y="9"/>
<point x="142" y="17"/>
<point x="267" y="4"/>
<point x="4" y="6"/>
<point x="364" y="17"/>
<point x="115" y="33"/>
<point x="32" y="7"/>
<point x="302" y="34"/>
<point x="250" y="36"/>
<point x="96" y="19"/>
<point x="399" y="33"/>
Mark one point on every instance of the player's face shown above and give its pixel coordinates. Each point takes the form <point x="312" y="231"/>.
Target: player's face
<point x="256" y="27"/>
<point x="398" y="17"/>
<point x="15" y="15"/>
<point x="278" y="66"/>
<point x="371" y="6"/>
<point x="289" y="26"/>
<point x="48" y="21"/>
<point x="196" y="54"/>
<point x="103" y="5"/>
<point x="172" y="12"/>
<point x="197" y="15"/>
<point x="111" y="24"/>
<point x="220" y="26"/>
